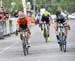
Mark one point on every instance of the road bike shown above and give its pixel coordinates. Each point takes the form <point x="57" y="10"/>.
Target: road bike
<point x="25" y="42"/>
<point x="62" y="37"/>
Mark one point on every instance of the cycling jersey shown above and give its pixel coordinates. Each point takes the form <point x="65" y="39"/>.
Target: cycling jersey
<point x="61" y="20"/>
<point x="46" y="13"/>
<point x="22" y="23"/>
<point x="25" y="22"/>
<point x="45" y="17"/>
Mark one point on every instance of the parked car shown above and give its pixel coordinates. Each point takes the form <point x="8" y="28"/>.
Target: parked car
<point x="72" y="16"/>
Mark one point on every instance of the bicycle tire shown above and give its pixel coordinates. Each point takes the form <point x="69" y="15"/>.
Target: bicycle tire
<point x="60" y="38"/>
<point x="64" y="44"/>
<point x="60" y="45"/>
<point x="46" y="39"/>
<point x="25" y="50"/>
<point x="27" y="46"/>
<point x="64" y="47"/>
<point x="24" y="47"/>
<point x="45" y="35"/>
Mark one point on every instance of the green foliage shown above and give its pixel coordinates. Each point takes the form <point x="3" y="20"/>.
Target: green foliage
<point x="49" y="4"/>
<point x="12" y="5"/>
<point x="52" y="4"/>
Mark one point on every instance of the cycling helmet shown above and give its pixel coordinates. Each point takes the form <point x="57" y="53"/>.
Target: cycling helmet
<point x="58" y="12"/>
<point x="21" y="15"/>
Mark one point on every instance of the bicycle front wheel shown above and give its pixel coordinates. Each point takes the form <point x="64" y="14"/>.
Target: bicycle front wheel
<point x="60" y="47"/>
<point x="64" y="47"/>
<point x="25" y="50"/>
<point x="45" y="35"/>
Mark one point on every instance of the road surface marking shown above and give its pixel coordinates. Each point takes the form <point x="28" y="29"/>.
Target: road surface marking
<point x="5" y="49"/>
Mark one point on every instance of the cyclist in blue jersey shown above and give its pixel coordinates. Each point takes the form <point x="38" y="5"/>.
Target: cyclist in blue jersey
<point x="60" y="18"/>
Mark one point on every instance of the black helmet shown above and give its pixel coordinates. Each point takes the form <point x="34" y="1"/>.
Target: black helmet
<point x="58" y="12"/>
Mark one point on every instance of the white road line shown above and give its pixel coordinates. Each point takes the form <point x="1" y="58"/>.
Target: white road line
<point x="8" y="47"/>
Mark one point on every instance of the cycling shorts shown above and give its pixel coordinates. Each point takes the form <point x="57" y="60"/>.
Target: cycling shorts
<point x="22" y="28"/>
<point x="60" y="20"/>
<point x="45" y="18"/>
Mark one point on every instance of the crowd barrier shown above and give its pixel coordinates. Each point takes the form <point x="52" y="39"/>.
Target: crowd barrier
<point x="7" y="27"/>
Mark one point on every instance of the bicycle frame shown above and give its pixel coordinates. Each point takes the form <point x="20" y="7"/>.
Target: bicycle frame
<point x="61" y="30"/>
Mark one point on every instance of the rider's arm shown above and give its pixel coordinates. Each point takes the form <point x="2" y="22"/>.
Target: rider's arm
<point x="17" y="24"/>
<point x="50" y="18"/>
<point x="28" y="23"/>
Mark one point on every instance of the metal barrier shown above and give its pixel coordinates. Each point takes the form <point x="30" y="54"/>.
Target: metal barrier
<point x="8" y="26"/>
<point x="1" y="30"/>
<point x="12" y="25"/>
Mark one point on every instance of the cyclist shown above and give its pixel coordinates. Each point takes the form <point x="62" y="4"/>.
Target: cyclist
<point x="23" y="24"/>
<point x="60" y="18"/>
<point x="38" y="18"/>
<point x="46" y="17"/>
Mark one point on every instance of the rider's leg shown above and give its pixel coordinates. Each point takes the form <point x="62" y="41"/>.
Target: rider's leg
<point x="28" y="35"/>
<point x="66" y="32"/>
<point x="56" y="31"/>
<point x="20" y="32"/>
<point x="40" y="24"/>
<point x="20" y="35"/>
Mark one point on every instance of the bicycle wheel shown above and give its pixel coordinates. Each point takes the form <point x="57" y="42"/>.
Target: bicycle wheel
<point x="24" y="47"/>
<point x="45" y="35"/>
<point x="63" y="43"/>
<point x="64" y="46"/>
<point x="25" y="50"/>
<point x="60" y="47"/>
<point x="60" y="38"/>
<point x="46" y="39"/>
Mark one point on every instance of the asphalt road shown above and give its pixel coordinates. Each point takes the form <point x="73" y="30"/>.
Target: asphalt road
<point x="11" y="48"/>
